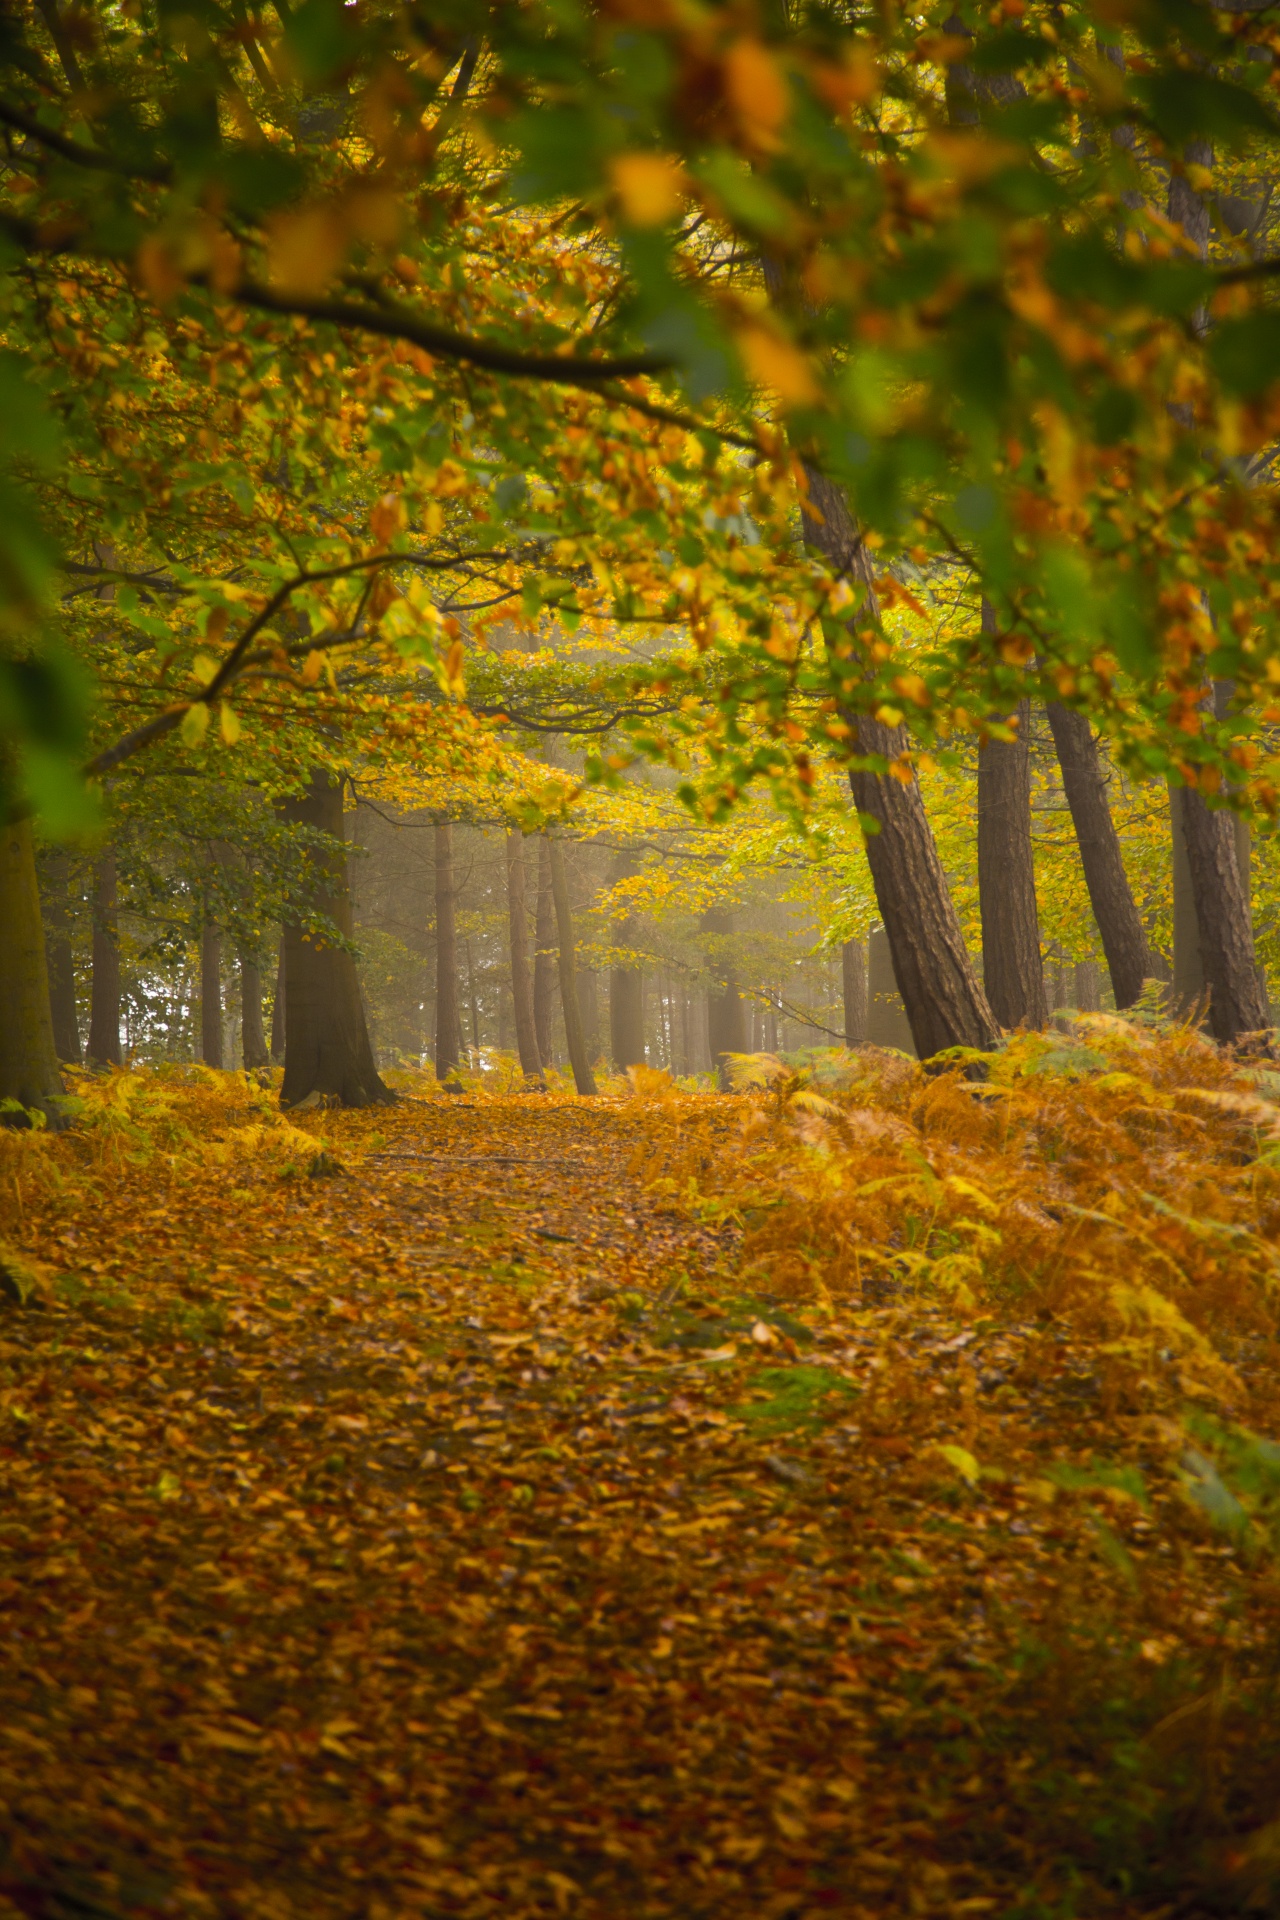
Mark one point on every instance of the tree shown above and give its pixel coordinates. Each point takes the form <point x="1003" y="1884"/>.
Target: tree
<point x="521" y="984"/>
<point x="726" y="1027"/>
<point x="1124" y="940"/>
<point x="1012" y="973"/>
<point x="104" y="998"/>
<point x="327" y="1053"/>
<point x="853" y="977"/>
<point x="62" y="979"/>
<point x="448" y="1019"/>
<point x="579" y="1059"/>
<point x="544" y="956"/>
<point x="29" y="1075"/>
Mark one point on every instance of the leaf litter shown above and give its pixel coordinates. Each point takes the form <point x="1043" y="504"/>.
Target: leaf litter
<point x="852" y="1496"/>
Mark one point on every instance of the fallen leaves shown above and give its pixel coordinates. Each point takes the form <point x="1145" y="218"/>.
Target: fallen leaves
<point x="366" y="1550"/>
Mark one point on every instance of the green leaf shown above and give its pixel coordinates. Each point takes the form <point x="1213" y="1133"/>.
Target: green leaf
<point x="1246" y="353"/>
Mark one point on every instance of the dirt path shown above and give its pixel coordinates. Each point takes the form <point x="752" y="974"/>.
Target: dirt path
<point x="455" y="1535"/>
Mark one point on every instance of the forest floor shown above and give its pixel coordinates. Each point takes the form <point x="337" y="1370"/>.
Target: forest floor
<point x="490" y="1506"/>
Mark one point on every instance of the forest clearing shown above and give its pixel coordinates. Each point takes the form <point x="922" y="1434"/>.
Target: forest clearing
<point x="639" y="920"/>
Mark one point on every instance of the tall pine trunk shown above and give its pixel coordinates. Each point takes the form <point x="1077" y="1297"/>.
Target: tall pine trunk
<point x="521" y="984"/>
<point x="544" y="957"/>
<point x="1012" y="970"/>
<point x="328" y="1059"/>
<point x="62" y="971"/>
<point x="579" y="1059"/>
<point x="29" y="1070"/>
<point x="253" y="1040"/>
<point x="448" y="1021"/>
<point x="104" y="994"/>
<point x="945" y="1004"/>
<point x="1124" y="940"/>
<point x="853" y="979"/>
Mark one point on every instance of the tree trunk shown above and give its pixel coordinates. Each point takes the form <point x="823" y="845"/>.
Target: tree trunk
<point x="941" y="992"/>
<point x="1124" y="940"/>
<point x="1012" y="972"/>
<point x="253" y="1041"/>
<point x="589" y="1006"/>
<point x="328" y="1058"/>
<point x="579" y="1059"/>
<point x="1087" y="996"/>
<point x="210" y="994"/>
<point x="853" y="970"/>
<point x="104" y="997"/>
<point x="28" y="1060"/>
<point x="1187" y="997"/>
<point x="448" y="1019"/>
<point x="521" y="986"/>
<point x="887" y="1023"/>
<point x="544" y="956"/>
<point x="626" y="990"/>
<point x="1237" y="1008"/>
<point x="278" y="1011"/>
<point x="726" y="1027"/>
<point x="62" y="970"/>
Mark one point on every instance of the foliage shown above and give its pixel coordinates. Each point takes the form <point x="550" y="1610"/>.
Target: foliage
<point x="579" y="1509"/>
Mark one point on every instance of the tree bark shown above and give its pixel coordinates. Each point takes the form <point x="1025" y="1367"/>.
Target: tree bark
<point x="1237" y="1007"/>
<point x="521" y="985"/>
<point x="626" y="992"/>
<point x="448" y="1019"/>
<point x="1012" y="971"/>
<point x="210" y="994"/>
<point x="1087" y="996"/>
<point x="277" y="1011"/>
<point x="579" y="1059"/>
<point x="1187" y="995"/>
<point x="853" y="972"/>
<point x="726" y="1027"/>
<point x="544" y="956"/>
<point x="253" y="1041"/>
<point x="62" y="971"/>
<point x="1124" y="940"/>
<point x="328" y="1058"/>
<point x="589" y="1007"/>
<point x="29" y="1070"/>
<point x="945" y="1004"/>
<point x="104" y="997"/>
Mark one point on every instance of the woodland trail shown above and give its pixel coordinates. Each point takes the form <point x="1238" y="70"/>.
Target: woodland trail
<point x="456" y="1534"/>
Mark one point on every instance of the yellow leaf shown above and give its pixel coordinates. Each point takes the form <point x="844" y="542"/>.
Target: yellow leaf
<point x="203" y="668"/>
<point x="963" y="1462"/>
<point x="195" y="724"/>
<point x="649" y="186"/>
<point x="305" y="249"/>
<point x="757" y="90"/>
<point x="775" y="363"/>
<point x="229" y="722"/>
<point x="312" y="667"/>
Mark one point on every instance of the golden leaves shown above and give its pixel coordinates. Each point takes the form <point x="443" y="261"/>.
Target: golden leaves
<point x="650" y="187"/>
<point x="758" y="92"/>
<point x="772" y="360"/>
<point x="306" y="245"/>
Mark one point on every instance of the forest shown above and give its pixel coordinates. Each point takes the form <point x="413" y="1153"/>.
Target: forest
<point x="639" y="898"/>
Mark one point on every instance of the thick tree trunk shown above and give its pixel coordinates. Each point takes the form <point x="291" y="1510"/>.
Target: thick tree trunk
<point x="579" y="1059"/>
<point x="278" y="1011"/>
<point x="253" y="1041"/>
<point x="210" y="994"/>
<point x="726" y="1026"/>
<point x="328" y="1058"/>
<point x="544" y="956"/>
<point x="941" y="992"/>
<point x="1012" y="971"/>
<point x="1088" y="998"/>
<point x="104" y="996"/>
<point x="62" y="971"/>
<point x="1187" y="996"/>
<point x="1237" y="1007"/>
<point x="521" y="985"/>
<point x="853" y="973"/>
<point x="1124" y="940"/>
<point x="626" y="992"/>
<point x="448" y="1024"/>
<point x="28" y="1060"/>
